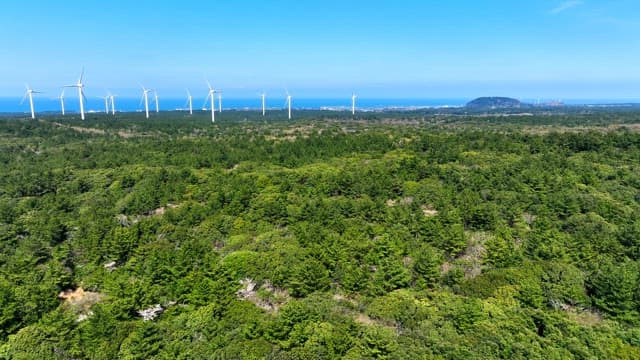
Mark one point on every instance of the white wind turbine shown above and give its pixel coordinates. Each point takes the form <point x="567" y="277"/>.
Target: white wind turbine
<point x="61" y="97"/>
<point x="155" y="96"/>
<point x="289" y="104"/>
<point x="190" y="102"/>
<point x="212" y="94"/>
<point x="29" y="94"/>
<point x="113" y="104"/>
<point x="353" y="103"/>
<point x="106" y="103"/>
<point x="81" y="96"/>
<point x="145" y="98"/>
<point x="263" y="96"/>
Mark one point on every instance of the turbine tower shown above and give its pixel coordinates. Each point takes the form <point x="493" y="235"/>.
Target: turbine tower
<point x="190" y="102"/>
<point x="353" y="103"/>
<point x="289" y="103"/>
<point x="29" y="94"/>
<point x="113" y="104"/>
<point x="263" y="96"/>
<point x="155" y="94"/>
<point x="212" y="94"/>
<point x="61" y="97"/>
<point x="145" y="98"/>
<point x="81" y="96"/>
<point x="106" y="104"/>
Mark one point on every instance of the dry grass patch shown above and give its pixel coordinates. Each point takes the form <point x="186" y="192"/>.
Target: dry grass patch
<point x="586" y="317"/>
<point x="80" y="301"/>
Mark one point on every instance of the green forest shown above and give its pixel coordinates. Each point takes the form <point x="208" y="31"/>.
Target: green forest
<point x="405" y="235"/>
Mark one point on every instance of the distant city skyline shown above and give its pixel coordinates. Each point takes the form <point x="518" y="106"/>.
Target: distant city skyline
<point x="412" y="49"/>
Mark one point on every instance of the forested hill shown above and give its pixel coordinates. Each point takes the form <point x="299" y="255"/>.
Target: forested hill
<point x="494" y="102"/>
<point x="404" y="238"/>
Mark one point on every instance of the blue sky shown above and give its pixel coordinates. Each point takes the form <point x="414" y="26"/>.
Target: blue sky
<point x="410" y="48"/>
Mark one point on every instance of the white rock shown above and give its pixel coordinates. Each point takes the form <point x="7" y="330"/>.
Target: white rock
<point x="151" y="313"/>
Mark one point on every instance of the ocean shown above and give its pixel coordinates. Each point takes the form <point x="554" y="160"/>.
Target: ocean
<point x="46" y="104"/>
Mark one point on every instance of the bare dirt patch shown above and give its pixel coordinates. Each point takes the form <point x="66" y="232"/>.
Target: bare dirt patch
<point x="580" y="315"/>
<point x="161" y="210"/>
<point x="126" y="134"/>
<point x="364" y="320"/>
<point x="80" y="301"/>
<point x="304" y="129"/>
<point x="400" y="202"/>
<point x="471" y="258"/>
<point x="125" y="220"/>
<point x="81" y="129"/>
<point x="428" y="210"/>
<point x="343" y="298"/>
<point x="586" y="317"/>
<point x="265" y="296"/>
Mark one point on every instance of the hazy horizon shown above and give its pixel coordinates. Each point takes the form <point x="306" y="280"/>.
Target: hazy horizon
<point x="132" y="104"/>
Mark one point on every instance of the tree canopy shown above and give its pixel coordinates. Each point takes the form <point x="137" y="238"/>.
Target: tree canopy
<point x="391" y="236"/>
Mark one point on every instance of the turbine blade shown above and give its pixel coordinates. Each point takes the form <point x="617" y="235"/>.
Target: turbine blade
<point x="204" y="105"/>
<point x="81" y="76"/>
<point x="24" y="98"/>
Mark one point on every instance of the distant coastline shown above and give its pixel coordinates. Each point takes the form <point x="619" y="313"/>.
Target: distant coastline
<point x="11" y="105"/>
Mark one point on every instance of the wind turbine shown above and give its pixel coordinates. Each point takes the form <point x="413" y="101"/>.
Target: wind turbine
<point x="155" y="94"/>
<point x="81" y="96"/>
<point x="106" y="104"/>
<point x="289" y="103"/>
<point x="263" y="96"/>
<point x="29" y="94"/>
<point x="61" y="97"/>
<point x="190" y="102"/>
<point x="113" y="104"/>
<point x="212" y="94"/>
<point x="353" y="103"/>
<point x="145" y="98"/>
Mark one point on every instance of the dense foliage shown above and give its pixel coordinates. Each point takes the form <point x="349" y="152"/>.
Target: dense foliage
<point x="405" y="236"/>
